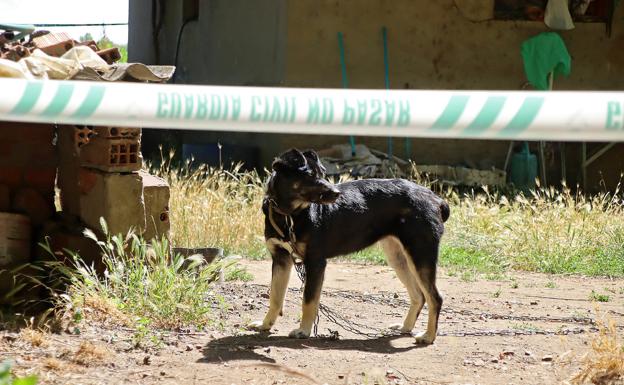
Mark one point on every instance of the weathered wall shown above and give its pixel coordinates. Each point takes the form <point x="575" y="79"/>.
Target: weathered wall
<point x="432" y="45"/>
<point x="229" y="42"/>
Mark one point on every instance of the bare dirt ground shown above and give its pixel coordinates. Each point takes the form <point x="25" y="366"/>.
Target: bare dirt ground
<point x="491" y="332"/>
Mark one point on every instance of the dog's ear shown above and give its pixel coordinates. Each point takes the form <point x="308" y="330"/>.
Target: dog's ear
<point x="292" y="159"/>
<point x="314" y="162"/>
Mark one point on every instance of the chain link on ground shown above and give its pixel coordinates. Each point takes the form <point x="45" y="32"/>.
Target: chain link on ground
<point x="391" y="299"/>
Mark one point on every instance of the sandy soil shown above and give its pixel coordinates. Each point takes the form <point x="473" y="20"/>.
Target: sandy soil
<point x="490" y="333"/>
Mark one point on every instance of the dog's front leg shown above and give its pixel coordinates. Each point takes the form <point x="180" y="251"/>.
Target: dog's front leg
<point x="315" y="274"/>
<point x="280" y="274"/>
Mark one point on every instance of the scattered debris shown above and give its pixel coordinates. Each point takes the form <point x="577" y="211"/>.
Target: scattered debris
<point x="47" y="55"/>
<point x="339" y="160"/>
<point x="369" y="163"/>
<point x="88" y="353"/>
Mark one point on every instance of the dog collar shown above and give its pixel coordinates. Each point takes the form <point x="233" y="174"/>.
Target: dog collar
<point x="291" y="240"/>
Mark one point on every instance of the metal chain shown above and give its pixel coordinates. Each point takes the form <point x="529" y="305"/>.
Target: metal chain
<point x="383" y="299"/>
<point x="356" y="328"/>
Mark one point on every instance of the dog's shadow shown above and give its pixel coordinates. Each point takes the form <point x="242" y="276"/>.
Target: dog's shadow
<point x="258" y="346"/>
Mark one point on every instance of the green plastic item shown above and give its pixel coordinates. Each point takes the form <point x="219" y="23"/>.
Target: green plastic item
<point x="543" y="54"/>
<point x="523" y="169"/>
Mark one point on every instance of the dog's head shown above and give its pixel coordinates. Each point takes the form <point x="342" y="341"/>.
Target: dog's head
<point x="298" y="179"/>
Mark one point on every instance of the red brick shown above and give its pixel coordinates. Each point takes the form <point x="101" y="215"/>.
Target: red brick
<point x="5" y="198"/>
<point x="6" y="150"/>
<point x="30" y="202"/>
<point x="11" y="176"/>
<point x="87" y="180"/>
<point x="26" y="132"/>
<point x="36" y="154"/>
<point x="40" y="178"/>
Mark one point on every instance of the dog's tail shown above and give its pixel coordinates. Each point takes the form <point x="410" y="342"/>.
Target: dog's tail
<point x="445" y="211"/>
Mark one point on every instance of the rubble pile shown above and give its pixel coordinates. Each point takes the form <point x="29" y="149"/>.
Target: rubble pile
<point x="53" y="44"/>
<point x="56" y="55"/>
<point x="370" y="163"/>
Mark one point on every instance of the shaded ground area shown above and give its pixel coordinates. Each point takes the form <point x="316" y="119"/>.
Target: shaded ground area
<point x="522" y="328"/>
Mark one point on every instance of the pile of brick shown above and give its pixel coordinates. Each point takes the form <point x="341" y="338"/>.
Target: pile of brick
<point x="100" y="176"/>
<point x="97" y="170"/>
<point x="28" y="163"/>
<point x="53" y="44"/>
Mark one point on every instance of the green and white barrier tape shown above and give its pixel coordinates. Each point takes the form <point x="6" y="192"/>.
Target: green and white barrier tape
<point x="569" y="116"/>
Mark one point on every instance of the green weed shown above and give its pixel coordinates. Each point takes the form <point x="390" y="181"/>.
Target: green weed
<point x="7" y="378"/>
<point x="238" y="274"/>
<point x="594" y="296"/>
<point x="142" y="282"/>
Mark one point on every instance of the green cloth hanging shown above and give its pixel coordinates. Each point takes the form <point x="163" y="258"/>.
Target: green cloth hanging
<point x="543" y="54"/>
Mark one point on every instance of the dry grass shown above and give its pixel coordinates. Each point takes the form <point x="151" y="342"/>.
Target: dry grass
<point x="604" y="364"/>
<point x="551" y="231"/>
<point x="89" y="353"/>
<point x="216" y="208"/>
<point x="35" y="338"/>
<point x="53" y="364"/>
<point x="102" y="309"/>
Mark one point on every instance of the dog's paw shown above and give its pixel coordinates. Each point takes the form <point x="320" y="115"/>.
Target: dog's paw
<point x="399" y="328"/>
<point x="258" y="326"/>
<point x="299" y="333"/>
<point x="424" y="339"/>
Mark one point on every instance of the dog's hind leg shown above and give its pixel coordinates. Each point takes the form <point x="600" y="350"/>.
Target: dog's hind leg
<point x="315" y="274"/>
<point x="280" y="274"/>
<point x="397" y="259"/>
<point x="423" y="266"/>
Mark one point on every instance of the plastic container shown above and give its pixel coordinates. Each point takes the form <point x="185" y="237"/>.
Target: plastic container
<point x="523" y="169"/>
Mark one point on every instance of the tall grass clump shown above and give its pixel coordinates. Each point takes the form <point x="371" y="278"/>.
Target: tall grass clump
<point x="604" y="363"/>
<point x="213" y="207"/>
<point x="141" y="282"/>
<point x="550" y="231"/>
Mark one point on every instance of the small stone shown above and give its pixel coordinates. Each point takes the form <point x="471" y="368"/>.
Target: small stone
<point x="527" y="353"/>
<point x="340" y="376"/>
<point x="547" y="358"/>
<point x="189" y="348"/>
<point x="199" y="347"/>
<point x="533" y="302"/>
<point x="264" y="295"/>
<point x="163" y="373"/>
<point x="494" y="360"/>
<point x="147" y="360"/>
<point x="10" y="337"/>
<point x="396" y="295"/>
<point x="267" y="350"/>
<point x="508" y="353"/>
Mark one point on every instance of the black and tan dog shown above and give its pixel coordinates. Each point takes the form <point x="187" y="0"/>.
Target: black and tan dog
<point x="310" y="219"/>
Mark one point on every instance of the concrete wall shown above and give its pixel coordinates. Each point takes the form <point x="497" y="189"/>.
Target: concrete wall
<point x="229" y="42"/>
<point x="432" y="45"/>
<point x="435" y="45"/>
